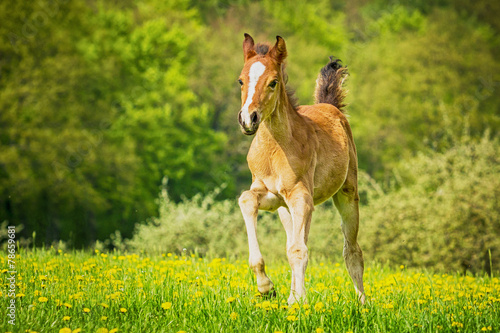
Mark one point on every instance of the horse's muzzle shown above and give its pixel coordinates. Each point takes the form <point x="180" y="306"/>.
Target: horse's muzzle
<point x="249" y="126"/>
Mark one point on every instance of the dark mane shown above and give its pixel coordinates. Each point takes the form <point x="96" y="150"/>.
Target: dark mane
<point x="294" y="101"/>
<point x="262" y="48"/>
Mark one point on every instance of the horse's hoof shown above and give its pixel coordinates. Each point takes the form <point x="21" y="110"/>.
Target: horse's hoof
<point x="266" y="288"/>
<point x="270" y="294"/>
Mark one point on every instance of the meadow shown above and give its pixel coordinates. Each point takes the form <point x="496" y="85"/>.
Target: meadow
<point x="84" y="291"/>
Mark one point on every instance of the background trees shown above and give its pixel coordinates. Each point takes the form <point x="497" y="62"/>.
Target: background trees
<point x="100" y="101"/>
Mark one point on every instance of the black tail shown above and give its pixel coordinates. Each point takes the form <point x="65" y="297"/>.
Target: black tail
<point x="329" y="84"/>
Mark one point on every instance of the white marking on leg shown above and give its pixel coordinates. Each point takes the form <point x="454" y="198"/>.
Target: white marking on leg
<point x="256" y="71"/>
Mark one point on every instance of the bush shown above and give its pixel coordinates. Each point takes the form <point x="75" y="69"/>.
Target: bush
<point x="444" y="216"/>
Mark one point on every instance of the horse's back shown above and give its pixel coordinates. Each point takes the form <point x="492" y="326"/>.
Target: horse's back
<point x="335" y="148"/>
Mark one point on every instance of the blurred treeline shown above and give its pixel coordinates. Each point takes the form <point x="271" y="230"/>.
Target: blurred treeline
<point x="101" y="100"/>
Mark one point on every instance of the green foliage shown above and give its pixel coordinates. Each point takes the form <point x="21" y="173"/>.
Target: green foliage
<point x="409" y="89"/>
<point x="97" y="115"/>
<point x="101" y="100"/>
<point x="445" y="213"/>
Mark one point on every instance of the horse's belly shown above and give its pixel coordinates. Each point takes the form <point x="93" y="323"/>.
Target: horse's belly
<point x="328" y="181"/>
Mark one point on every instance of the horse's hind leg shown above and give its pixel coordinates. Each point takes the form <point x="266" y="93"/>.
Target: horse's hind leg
<point x="346" y="201"/>
<point x="249" y="202"/>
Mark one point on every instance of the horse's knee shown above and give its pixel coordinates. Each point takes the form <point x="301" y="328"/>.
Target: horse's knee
<point x="248" y="200"/>
<point x="297" y="252"/>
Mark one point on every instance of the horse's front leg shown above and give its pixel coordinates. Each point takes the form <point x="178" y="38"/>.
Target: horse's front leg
<point x="301" y="206"/>
<point x="250" y="202"/>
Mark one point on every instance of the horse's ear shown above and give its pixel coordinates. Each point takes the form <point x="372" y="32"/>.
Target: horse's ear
<point x="248" y="47"/>
<point x="278" y="52"/>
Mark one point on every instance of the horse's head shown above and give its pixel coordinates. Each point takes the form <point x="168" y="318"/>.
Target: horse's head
<point x="261" y="82"/>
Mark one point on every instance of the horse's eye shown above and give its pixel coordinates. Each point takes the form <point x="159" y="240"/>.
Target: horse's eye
<point x="241" y="82"/>
<point x="273" y="84"/>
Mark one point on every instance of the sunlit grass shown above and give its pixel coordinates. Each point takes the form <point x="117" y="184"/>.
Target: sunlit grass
<point x="100" y="292"/>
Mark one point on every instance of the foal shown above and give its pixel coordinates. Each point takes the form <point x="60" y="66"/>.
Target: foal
<point x="300" y="157"/>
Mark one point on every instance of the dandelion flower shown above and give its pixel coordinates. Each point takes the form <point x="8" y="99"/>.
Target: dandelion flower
<point x="86" y="310"/>
<point x="69" y="306"/>
<point x="102" y="330"/>
<point x="104" y="305"/>
<point x="123" y="310"/>
<point x="42" y="299"/>
<point x="104" y="318"/>
<point x="319" y="306"/>
<point x="230" y="300"/>
<point x="166" y="305"/>
<point x="291" y="318"/>
<point x="320" y="330"/>
<point x="65" y="330"/>
<point x="66" y="318"/>
<point x="114" y="330"/>
<point x="78" y="330"/>
<point x="233" y="315"/>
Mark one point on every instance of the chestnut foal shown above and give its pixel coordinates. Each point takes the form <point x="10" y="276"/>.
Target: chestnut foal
<point x="300" y="157"/>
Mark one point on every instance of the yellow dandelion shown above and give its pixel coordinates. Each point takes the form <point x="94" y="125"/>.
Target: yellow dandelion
<point x="402" y="266"/>
<point x="66" y="318"/>
<point x="320" y="330"/>
<point x="230" y="300"/>
<point x="123" y="310"/>
<point x="291" y="318"/>
<point x="166" y="305"/>
<point x="266" y="305"/>
<point x="69" y="306"/>
<point x="65" y="330"/>
<point x="102" y="330"/>
<point x="278" y="331"/>
<point x="104" y="318"/>
<point x="86" y="310"/>
<point x="42" y="299"/>
<point x="104" y="305"/>
<point x="319" y="306"/>
<point x="233" y="315"/>
<point x="78" y="330"/>
<point x="114" y="330"/>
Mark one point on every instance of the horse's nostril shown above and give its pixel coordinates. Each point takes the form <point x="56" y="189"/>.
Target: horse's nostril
<point x="254" y="118"/>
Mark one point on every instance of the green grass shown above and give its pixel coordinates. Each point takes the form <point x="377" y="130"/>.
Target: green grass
<point x="94" y="292"/>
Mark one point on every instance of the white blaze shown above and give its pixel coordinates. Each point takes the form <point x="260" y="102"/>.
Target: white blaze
<point x="256" y="70"/>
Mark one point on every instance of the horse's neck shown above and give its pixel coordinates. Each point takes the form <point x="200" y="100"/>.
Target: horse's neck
<point x="279" y="126"/>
